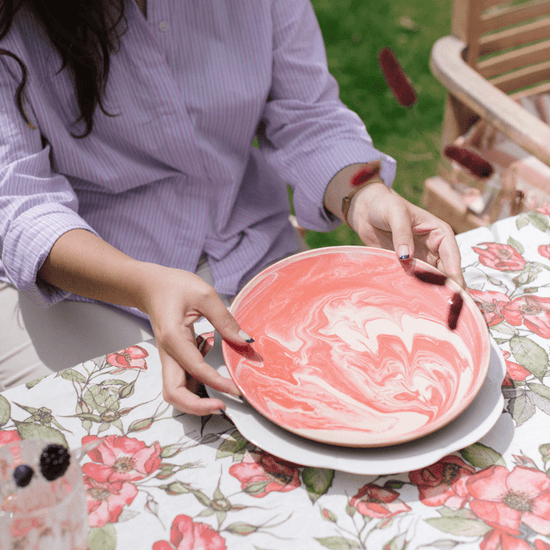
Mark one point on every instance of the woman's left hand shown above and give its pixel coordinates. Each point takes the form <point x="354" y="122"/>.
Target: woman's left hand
<point x="384" y="219"/>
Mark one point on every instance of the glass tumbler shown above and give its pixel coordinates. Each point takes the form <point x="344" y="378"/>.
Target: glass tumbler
<point x="44" y="515"/>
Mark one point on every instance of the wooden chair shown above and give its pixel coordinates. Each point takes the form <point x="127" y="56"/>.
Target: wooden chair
<point x="499" y="51"/>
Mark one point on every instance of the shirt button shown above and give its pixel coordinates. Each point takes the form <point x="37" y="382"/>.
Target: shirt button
<point x="163" y="25"/>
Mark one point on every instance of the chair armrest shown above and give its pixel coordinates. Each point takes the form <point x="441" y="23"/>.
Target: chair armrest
<point x="474" y="91"/>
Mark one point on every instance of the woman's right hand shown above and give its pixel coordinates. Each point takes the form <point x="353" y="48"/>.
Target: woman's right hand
<point x="82" y="263"/>
<point x="174" y="299"/>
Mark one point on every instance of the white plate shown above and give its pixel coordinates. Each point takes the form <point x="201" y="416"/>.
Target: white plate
<point x="474" y="423"/>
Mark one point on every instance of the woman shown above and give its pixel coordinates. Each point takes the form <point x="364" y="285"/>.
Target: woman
<point x="127" y="162"/>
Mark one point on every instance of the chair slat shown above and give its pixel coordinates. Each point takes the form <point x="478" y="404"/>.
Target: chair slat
<point x="466" y="25"/>
<point x="517" y="36"/>
<point x="487" y="4"/>
<point x="514" y="15"/>
<point x="535" y="90"/>
<point x="523" y="78"/>
<point x="513" y="60"/>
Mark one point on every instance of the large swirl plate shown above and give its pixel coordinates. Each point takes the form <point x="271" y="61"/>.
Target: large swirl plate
<point x="352" y="349"/>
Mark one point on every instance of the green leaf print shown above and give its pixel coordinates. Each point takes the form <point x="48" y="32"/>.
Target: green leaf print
<point x="541" y="402"/>
<point x="540" y="221"/>
<point x="522" y="221"/>
<point x="32" y="383"/>
<point x="481" y="456"/>
<point x="317" y="481"/>
<point x="231" y="446"/>
<point x="73" y="376"/>
<point x="517" y="245"/>
<point x="39" y="431"/>
<point x="102" y="538"/>
<point x="5" y="410"/>
<point x="460" y="526"/>
<point x="242" y="529"/>
<point x="544" y="451"/>
<point x="529" y="355"/>
<point x="521" y="408"/>
<point x="540" y="389"/>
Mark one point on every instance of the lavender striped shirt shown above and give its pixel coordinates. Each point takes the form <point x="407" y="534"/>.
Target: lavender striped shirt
<point x="174" y="174"/>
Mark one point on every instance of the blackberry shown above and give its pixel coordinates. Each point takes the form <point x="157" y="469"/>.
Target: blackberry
<point x="54" y="461"/>
<point x="22" y="475"/>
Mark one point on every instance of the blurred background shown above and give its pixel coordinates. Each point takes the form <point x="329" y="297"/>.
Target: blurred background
<point x="354" y="32"/>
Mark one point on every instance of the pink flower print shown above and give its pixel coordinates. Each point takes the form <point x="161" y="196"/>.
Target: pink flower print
<point x="376" y="502"/>
<point x="500" y="256"/>
<point x="497" y="540"/>
<point x="107" y="500"/>
<point x="120" y="459"/>
<point x="443" y="483"/>
<point x="532" y="311"/>
<point x="129" y="358"/>
<point x="514" y="372"/>
<point x="187" y="534"/>
<point x="490" y="304"/>
<point x="504" y="500"/>
<point x="261" y="473"/>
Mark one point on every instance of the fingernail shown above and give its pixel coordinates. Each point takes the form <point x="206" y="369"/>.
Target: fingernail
<point x="244" y="336"/>
<point x="236" y="394"/>
<point x="217" y="412"/>
<point x="404" y="252"/>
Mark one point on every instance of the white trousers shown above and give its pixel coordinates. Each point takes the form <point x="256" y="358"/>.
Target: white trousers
<point x="35" y="342"/>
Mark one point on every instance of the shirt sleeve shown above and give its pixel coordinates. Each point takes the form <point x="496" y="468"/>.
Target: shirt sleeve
<point x="37" y="206"/>
<point x="306" y="132"/>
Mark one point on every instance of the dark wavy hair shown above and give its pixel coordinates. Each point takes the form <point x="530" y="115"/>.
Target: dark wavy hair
<point x="84" y="33"/>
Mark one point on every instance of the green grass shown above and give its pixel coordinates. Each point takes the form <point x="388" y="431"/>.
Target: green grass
<point x="354" y="32"/>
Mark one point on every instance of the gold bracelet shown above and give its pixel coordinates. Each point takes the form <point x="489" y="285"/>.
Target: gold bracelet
<point x="346" y="201"/>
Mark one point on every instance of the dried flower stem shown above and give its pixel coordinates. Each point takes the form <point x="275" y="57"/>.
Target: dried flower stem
<point x="396" y="78"/>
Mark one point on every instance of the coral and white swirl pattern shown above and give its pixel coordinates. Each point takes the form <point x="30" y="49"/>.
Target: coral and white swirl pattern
<point x="351" y="349"/>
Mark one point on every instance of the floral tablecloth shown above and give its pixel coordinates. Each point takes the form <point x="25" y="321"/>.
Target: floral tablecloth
<point x="162" y="480"/>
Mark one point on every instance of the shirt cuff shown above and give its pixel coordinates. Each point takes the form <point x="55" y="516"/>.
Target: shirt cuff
<point x="323" y="164"/>
<point x="28" y="243"/>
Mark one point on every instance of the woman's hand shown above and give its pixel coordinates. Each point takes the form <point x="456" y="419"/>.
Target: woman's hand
<point x="174" y="300"/>
<point x="383" y="219"/>
<point x="84" y="264"/>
